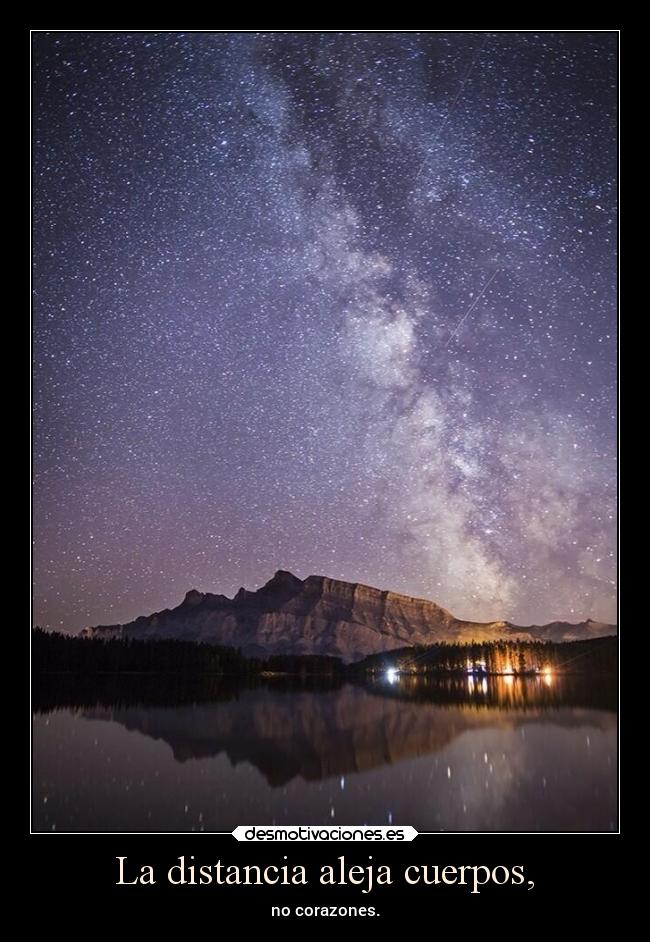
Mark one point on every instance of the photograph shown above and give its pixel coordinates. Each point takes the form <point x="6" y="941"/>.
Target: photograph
<point x="324" y="431"/>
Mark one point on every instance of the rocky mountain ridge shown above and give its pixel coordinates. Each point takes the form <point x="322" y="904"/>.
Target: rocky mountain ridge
<point x="318" y="615"/>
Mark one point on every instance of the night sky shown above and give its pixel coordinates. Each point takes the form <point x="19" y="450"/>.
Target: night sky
<point x="339" y="303"/>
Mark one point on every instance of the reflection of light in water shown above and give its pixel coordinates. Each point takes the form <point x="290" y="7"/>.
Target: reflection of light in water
<point x="508" y="679"/>
<point x="391" y="675"/>
<point x="547" y="676"/>
<point x="474" y="686"/>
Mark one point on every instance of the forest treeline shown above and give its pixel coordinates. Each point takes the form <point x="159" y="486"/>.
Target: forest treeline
<point x="53" y="652"/>
<point x="56" y="652"/>
<point x="501" y="657"/>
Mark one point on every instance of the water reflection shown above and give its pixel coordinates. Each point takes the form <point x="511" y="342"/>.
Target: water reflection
<point x="432" y="753"/>
<point x="545" y="689"/>
<point x="476" y="686"/>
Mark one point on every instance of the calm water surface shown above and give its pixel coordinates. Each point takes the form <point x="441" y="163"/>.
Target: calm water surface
<point x="498" y="754"/>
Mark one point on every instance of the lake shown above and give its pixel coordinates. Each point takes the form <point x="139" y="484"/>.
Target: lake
<point x="155" y="753"/>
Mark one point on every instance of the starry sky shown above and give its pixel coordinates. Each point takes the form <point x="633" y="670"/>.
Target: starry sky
<point x="339" y="303"/>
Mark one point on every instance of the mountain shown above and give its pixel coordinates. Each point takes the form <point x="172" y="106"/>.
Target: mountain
<point x="564" y="631"/>
<point x="325" y="616"/>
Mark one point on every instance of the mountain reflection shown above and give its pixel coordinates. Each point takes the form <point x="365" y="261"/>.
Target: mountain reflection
<point x="289" y="732"/>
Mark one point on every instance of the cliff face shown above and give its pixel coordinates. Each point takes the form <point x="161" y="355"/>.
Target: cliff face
<point x="316" y="615"/>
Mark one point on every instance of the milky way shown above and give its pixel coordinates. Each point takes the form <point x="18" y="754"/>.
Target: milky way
<point x="336" y="303"/>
